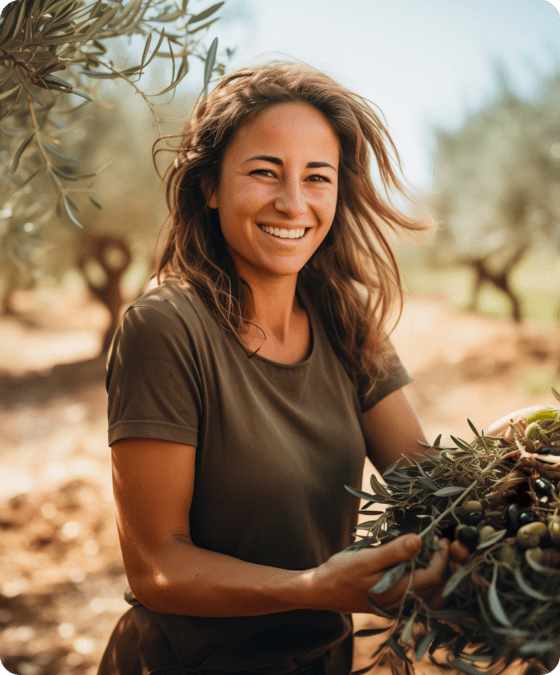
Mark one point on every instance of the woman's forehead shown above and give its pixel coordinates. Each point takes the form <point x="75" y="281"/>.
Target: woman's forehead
<point x="287" y="128"/>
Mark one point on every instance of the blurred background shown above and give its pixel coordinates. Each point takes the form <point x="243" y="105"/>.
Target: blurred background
<point x="471" y="92"/>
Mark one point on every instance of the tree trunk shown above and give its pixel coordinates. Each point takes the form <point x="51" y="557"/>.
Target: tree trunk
<point x="102" y="251"/>
<point x="500" y="279"/>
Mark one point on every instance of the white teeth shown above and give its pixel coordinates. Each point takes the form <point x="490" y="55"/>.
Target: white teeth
<point x="283" y="233"/>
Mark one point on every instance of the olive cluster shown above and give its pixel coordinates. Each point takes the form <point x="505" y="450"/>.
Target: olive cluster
<point x="521" y="522"/>
<point x="477" y="525"/>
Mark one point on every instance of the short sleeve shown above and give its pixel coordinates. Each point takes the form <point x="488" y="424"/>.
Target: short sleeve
<point x="153" y="380"/>
<point x="395" y="377"/>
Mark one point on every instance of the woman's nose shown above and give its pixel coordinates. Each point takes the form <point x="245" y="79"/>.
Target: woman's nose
<point x="290" y="199"/>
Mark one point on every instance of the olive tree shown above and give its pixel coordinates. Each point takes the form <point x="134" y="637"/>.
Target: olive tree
<point x="40" y="111"/>
<point x="496" y="184"/>
<point x="64" y="152"/>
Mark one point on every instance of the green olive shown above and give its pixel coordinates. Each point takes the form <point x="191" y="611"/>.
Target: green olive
<point x="529" y="536"/>
<point x="547" y="412"/>
<point x="472" y="506"/>
<point x="486" y="531"/>
<point x="533" y="430"/>
<point x="554" y="530"/>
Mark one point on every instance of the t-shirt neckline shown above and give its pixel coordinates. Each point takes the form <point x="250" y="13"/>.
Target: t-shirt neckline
<point x="302" y="296"/>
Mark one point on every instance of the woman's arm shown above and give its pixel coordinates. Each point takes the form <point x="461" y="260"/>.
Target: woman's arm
<point x="153" y="483"/>
<point x="391" y="429"/>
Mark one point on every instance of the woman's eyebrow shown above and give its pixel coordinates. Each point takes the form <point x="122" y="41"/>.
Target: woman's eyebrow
<point x="277" y="160"/>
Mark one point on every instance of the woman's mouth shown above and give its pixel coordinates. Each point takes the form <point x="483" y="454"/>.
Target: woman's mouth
<point x="283" y="233"/>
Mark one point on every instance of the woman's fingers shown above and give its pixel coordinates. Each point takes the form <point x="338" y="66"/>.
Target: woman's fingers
<point x="502" y="427"/>
<point x="432" y="575"/>
<point x="458" y="552"/>
<point x="396" y="551"/>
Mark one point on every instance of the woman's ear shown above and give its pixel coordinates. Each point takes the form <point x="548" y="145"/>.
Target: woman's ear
<point x="209" y="193"/>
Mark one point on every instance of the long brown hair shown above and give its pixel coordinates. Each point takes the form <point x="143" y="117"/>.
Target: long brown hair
<point x="354" y="274"/>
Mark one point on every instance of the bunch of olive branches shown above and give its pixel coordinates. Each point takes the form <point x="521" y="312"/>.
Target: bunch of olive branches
<point x="53" y="55"/>
<point x="501" y="498"/>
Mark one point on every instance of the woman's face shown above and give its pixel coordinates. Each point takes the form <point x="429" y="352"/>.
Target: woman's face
<point x="277" y="193"/>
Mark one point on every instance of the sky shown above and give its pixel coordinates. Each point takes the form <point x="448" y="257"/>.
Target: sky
<point x="425" y="63"/>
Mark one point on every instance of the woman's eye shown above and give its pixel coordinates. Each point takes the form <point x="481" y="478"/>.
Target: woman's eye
<point x="318" y="178"/>
<point x="267" y="173"/>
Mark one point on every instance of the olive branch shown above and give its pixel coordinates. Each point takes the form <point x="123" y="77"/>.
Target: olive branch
<point x="39" y="40"/>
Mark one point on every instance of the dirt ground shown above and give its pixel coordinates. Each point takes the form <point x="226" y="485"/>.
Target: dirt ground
<point x="62" y="579"/>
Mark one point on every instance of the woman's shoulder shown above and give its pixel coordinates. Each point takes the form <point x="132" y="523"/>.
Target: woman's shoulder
<point x="167" y="311"/>
<point x="171" y="300"/>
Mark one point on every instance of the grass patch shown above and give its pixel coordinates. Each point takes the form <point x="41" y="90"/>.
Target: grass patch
<point x="536" y="283"/>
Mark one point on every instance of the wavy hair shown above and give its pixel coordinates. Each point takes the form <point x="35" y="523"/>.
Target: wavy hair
<point x="354" y="274"/>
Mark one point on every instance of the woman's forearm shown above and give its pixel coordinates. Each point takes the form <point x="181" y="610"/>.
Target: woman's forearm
<point x="185" y="579"/>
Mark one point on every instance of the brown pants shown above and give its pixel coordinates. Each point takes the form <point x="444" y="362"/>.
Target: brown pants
<point x="137" y="646"/>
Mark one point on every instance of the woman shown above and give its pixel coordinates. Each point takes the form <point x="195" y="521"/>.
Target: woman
<point x="247" y="389"/>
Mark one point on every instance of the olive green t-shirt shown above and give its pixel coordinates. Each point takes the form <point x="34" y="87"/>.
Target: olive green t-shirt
<point x="276" y="443"/>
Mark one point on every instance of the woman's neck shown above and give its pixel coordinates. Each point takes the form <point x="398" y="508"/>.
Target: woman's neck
<point x="274" y="308"/>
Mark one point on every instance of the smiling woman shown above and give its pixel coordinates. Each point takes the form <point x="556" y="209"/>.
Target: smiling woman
<point x="247" y="389"/>
<point x="279" y="176"/>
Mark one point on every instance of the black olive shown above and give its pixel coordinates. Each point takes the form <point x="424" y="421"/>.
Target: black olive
<point x="400" y="514"/>
<point x="527" y="517"/>
<point x="418" y="510"/>
<point x="513" y="512"/>
<point x="468" y="535"/>
<point x="543" y="487"/>
<point x="546" y="542"/>
<point x="472" y="518"/>
<point x="549" y="450"/>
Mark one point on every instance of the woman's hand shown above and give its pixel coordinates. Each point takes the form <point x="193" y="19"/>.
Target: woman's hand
<point x="342" y="583"/>
<point x="502" y="427"/>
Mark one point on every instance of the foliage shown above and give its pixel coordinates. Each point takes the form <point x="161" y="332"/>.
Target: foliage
<point x="502" y="604"/>
<point x="497" y="183"/>
<point x="40" y="112"/>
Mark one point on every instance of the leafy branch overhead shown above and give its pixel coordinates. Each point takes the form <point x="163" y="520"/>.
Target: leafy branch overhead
<point x="53" y="55"/>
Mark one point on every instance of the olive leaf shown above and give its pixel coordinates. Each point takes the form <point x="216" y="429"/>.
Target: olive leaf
<point x="361" y="494"/>
<point x="471" y="425"/>
<point x="428" y="483"/>
<point x="377" y="487"/>
<point x="369" y="632"/>
<point x="449" y="491"/>
<point x="205" y="14"/>
<point x="67" y="205"/>
<point x="391" y="577"/>
<point x="399" y="651"/>
<point x="494" y="601"/>
<point x="494" y="539"/>
<point x="537" y="646"/>
<point x="535" y="564"/>
<point x="459" y="443"/>
<point x="423" y="643"/>
<point x="527" y="589"/>
<point x="210" y="61"/>
<point x="389" y="470"/>
<point x="451" y="614"/>
<point x="409" y="625"/>
<point x="19" y="152"/>
<point x="455" y="580"/>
